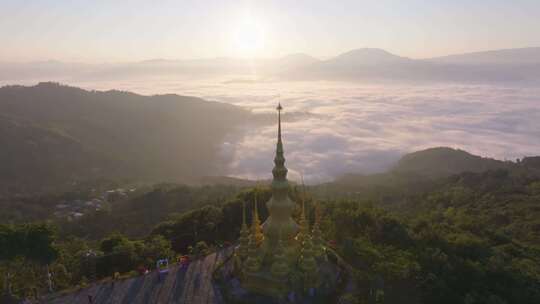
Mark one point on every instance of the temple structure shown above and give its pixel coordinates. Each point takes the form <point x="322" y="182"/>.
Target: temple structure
<point x="280" y="206"/>
<point x="280" y="256"/>
<point x="280" y="260"/>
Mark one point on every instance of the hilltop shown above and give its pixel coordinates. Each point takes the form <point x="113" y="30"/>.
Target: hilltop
<point x="443" y="161"/>
<point x="430" y="164"/>
<point x="418" y="172"/>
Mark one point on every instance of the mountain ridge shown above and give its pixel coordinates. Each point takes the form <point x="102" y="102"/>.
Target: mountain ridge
<point x="367" y="64"/>
<point x="83" y="134"/>
<point x="508" y="51"/>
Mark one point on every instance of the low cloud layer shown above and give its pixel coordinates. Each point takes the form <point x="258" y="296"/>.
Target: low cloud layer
<point x="332" y="128"/>
<point x="365" y="129"/>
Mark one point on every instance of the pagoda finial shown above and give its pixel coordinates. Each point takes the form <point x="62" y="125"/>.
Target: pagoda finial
<point x="279" y="108"/>
<point x="279" y="171"/>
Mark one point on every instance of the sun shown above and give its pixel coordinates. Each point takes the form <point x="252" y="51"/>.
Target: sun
<point x="249" y="38"/>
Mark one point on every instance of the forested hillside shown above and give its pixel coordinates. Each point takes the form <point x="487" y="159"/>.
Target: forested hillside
<point x="414" y="173"/>
<point x="54" y="136"/>
<point x="468" y="237"/>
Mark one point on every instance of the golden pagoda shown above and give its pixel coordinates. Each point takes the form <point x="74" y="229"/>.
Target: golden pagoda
<point x="280" y="206"/>
<point x="279" y="251"/>
<point x="281" y="260"/>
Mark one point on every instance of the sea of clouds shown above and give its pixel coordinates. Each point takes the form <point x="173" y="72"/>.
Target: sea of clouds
<point x="355" y="128"/>
<point x="332" y="128"/>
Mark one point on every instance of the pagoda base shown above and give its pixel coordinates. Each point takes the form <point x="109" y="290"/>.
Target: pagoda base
<point x="235" y="285"/>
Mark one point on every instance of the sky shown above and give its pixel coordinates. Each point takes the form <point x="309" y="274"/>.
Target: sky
<point x="118" y="30"/>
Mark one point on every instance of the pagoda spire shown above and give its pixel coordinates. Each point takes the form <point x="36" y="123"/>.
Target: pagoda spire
<point x="280" y="171"/>
<point x="279" y="108"/>
<point x="303" y="223"/>
<point x="256" y="229"/>
<point x="280" y="207"/>
<point x="244" y="234"/>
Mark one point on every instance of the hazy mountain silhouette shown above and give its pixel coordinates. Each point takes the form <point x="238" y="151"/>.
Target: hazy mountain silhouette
<point x="193" y="68"/>
<point x="365" y="57"/>
<point x="53" y="135"/>
<point x="379" y="65"/>
<point x="521" y="56"/>
<point x="209" y="67"/>
<point x="366" y="64"/>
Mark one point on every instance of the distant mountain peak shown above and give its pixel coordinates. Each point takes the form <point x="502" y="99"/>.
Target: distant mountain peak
<point x="367" y="56"/>
<point x="368" y="50"/>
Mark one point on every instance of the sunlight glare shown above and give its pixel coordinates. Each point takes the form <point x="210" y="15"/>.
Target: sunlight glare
<point x="249" y="38"/>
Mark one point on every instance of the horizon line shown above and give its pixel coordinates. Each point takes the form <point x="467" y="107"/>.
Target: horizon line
<point x="255" y="58"/>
